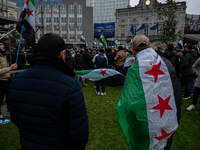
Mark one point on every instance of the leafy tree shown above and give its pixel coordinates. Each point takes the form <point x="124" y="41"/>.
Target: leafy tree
<point x="168" y="30"/>
<point x="14" y="38"/>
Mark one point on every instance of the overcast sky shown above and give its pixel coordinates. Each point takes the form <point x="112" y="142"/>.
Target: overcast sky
<point x="192" y="5"/>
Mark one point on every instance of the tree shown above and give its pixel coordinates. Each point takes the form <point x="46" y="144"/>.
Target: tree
<point x="14" y="38"/>
<point x="168" y="30"/>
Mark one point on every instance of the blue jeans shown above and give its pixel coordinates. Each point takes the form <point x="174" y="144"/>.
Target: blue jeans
<point x="192" y="82"/>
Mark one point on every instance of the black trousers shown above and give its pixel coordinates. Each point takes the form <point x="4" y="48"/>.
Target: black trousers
<point x="196" y="95"/>
<point x="4" y="85"/>
<point x="98" y="84"/>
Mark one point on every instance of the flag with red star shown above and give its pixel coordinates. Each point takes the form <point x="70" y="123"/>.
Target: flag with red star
<point x="106" y="76"/>
<point x="27" y="18"/>
<point x="147" y="111"/>
<point x="102" y="39"/>
<point x="129" y="61"/>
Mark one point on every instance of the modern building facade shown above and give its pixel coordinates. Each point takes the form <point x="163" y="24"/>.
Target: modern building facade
<point x="144" y="13"/>
<point x="67" y="18"/>
<point x="104" y="10"/>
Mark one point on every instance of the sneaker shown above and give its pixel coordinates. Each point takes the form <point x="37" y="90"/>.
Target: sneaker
<point x="1" y="116"/>
<point x="98" y="93"/>
<point x="103" y="93"/>
<point x="94" y="86"/>
<point x="184" y="97"/>
<point x="84" y="84"/>
<point x="4" y="121"/>
<point x="191" y="107"/>
<point x="8" y="113"/>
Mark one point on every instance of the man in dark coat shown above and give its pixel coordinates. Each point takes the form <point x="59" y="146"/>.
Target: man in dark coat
<point x="171" y="56"/>
<point x="46" y="102"/>
<point x="87" y="60"/>
<point x="186" y="69"/>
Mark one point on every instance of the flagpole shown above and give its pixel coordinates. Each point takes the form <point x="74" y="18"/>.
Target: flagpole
<point x="19" y="44"/>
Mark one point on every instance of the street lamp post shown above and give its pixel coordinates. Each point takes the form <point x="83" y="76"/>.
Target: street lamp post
<point x="42" y="18"/>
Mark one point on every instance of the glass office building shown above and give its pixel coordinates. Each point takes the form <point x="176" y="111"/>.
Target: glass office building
<point x="104" y="10"/>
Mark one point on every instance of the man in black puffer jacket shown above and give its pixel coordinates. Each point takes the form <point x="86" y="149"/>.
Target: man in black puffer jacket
<point x="46" y="103"/>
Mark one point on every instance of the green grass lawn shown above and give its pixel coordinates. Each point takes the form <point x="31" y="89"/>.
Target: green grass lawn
<point x="104" y="130"/>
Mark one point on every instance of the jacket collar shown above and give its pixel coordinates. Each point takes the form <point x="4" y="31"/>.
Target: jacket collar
<point x="49" y="60"/>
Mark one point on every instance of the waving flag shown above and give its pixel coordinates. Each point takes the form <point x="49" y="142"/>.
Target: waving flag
<point x="27" y="18"/>
<point x="106" y="76"/>
<point x="129" y="61"/>
<point x="82" y="38"/>
<point x="131" y="39"/>
<point x="141" y="28"/>
<point x="103" y="40"/>
<point x="147" y="110"/>
<point x="155" y="27"/>
<point x="128" y="46"/>
<point x="132" y="30"/>
<point x="117" y="42"/>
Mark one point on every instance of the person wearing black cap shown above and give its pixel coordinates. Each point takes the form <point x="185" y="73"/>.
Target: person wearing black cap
<point x="120" y="59"/>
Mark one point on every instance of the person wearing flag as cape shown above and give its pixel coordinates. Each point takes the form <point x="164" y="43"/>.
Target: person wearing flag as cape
<point x="150" y="104"/>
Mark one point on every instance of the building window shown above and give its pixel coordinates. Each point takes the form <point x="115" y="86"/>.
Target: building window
<point x="64" y="36"/>
<point x="71" y="20"/>
<point x="79" y="28"/>
<point x="64" y="19"/>
<point x="56" y="19"/>
<point x="79" y="36"/>
<point x="56" y="28"/>
<point x="48" y="9"/>
<point x="122" y="32"/>
<point x="40" y="20"/>
<point x="71" y="36"/>
<point x="79" y="20"/>
<point x="63" y="9"/>
<point x="146" y="30"/>
<point x="64" y="28"/>
<point x="71" y="28"/>
<point x="48" y="28"/>
<point x="134" y="30"/>
<point x="71" y="9"/>
<point x="79" y="9"/>
<point x="48" y="19"/>
<point x="11" y="15"/>
<point x="55" y="9"/>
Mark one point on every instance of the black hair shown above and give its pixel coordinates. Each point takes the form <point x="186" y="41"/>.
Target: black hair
<point x="189" y="46"/>
<point x="101" y="50"/>
<point x="170" y="47"/>
<point x="86" y="50"/>
<point x="51" y="43"/>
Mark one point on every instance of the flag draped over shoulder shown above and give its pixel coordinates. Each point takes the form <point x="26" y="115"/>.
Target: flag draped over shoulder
<point x="27" y="18"/>
<point x="103" y="40"/>
<point x="130" y="60"/>
<point x="106" y="76"/>
<point x="147" y="111"/>
<point x="141" y="28"/>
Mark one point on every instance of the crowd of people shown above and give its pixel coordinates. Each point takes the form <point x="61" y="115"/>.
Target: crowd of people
<point x="46" y="101"/>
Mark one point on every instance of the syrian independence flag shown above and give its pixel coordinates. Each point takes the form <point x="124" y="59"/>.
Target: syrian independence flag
<point x="131" y="39"/>
<point x="128" y="46"/>
<point x="99" y="43"/>
<point x="82" y="38"/>
<point x="180" y="44"/>
<point x="103" y="40"/>
<point x="106" y="76"/>
<point x="147" y="111"/>
<point x="117" y="42"/>
<point x="27" y="18"/>
<point x="129" y="61"/>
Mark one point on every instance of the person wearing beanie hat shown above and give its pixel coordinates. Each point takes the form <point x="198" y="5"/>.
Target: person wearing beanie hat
<point x="120" y="59"/>
<point x="150" y="104"/>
